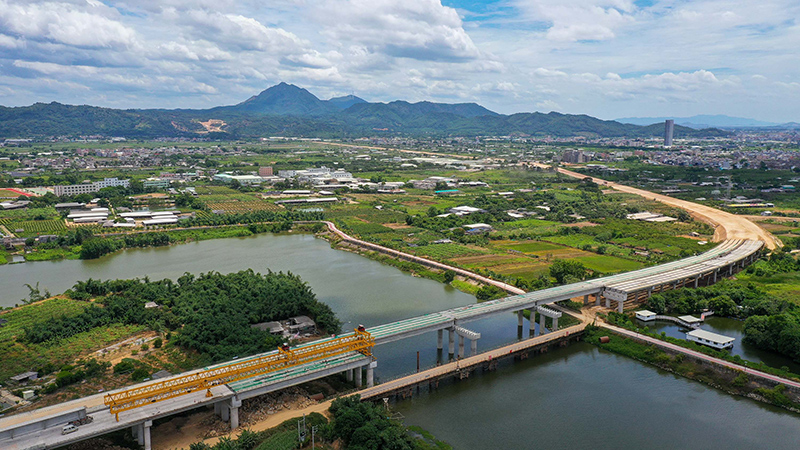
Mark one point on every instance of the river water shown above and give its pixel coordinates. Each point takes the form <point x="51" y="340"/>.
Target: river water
<point x="577" y="397"/>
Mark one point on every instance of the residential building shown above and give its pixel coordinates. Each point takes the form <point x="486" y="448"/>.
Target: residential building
<point x="669" y="128"/>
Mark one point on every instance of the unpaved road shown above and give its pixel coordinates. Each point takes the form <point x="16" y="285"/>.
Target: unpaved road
<point x="727" y="225"/>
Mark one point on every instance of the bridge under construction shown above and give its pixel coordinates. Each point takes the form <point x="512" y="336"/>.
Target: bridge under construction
<point x="225" y="385"/>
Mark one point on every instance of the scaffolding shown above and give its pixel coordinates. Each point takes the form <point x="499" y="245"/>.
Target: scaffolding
<point x="361" y="341"/>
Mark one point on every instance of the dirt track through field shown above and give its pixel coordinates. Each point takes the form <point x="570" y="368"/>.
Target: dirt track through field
<point x="727" y="225"/>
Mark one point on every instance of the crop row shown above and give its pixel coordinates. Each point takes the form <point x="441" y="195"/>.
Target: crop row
<point x="238" y="207"/>
<point x="38" y="226"/>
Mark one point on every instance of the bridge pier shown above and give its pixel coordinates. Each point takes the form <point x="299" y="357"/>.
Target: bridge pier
<point x="371" y="373"/>
<point x="233" y="409"/>
<point x="358" y="377"/>
<point x="620" y="305"/>
<point x="451" y="336"/>
<point x="141" y="432"/>
<point x="349" y="375"/>
<point x="596" y="299"/>
<point x="439" y="343"/>
<point x="555" y="323"/>
<point x="608" y="303"/>
<point x="460" y="346"/>
<point x="473" y="347"/>
<point x="586" y="299"/>
<point x="696" y="281"/>
<point x="541" y="324"/>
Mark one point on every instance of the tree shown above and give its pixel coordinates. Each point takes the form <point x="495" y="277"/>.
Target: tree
<point x="560" y="269"/>
<point x="449" y="276"/>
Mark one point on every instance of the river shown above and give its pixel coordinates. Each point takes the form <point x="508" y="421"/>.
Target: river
<point x="576" y="397"/>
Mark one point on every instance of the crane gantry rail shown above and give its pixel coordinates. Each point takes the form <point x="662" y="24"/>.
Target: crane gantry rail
<point x="361" y="341"/>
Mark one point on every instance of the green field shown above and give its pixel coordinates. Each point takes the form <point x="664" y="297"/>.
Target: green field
<point x="609" y="264"/>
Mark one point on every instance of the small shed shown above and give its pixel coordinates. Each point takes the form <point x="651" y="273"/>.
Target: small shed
<point x="645" y="315"/>
<point x="24" y="377"/>
<point x="692" y="321"/>
<point x="274" y="328"/>
<point x="710" y="339"/>
<point x="302" y="324"/>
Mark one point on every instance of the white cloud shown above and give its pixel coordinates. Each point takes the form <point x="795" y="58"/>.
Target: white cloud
<point x="64" y="23"/>
<point x="579" y="20"/>
<point x="416" y="29"/>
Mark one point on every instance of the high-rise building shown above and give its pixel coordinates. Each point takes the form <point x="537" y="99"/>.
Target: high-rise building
<point x="669" y="128"/>
<point x="574" y="156"/>
<point x="265" y="171"/>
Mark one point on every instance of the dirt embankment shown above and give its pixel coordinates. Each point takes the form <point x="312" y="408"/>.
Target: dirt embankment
<point x="727" y="225"/>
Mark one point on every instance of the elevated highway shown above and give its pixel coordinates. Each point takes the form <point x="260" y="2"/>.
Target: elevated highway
<point x="22" y="432"/>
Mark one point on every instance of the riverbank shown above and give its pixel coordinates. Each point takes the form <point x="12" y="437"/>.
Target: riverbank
<point x="742" y="382"/>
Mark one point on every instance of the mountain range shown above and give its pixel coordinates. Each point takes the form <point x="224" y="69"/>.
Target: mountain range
<point x="708" y="121"/>
<point x="288" y="110"/>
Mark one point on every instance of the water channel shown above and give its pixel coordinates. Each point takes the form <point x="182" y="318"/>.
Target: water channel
<point x="571" y="398"/>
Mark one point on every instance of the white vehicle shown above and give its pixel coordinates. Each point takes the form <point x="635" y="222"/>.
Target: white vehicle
<point x="69" y="428"/>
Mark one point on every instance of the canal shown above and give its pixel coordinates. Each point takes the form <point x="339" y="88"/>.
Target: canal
<point x="572" y="397"/>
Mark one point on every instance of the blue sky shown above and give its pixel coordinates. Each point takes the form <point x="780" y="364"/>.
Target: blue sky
<point x="606" y="58"/>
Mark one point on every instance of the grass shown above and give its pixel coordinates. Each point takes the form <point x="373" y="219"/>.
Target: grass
<point x="18" y="356"/>
<point x="53" y="254"/>
<point x="609" y="264"/>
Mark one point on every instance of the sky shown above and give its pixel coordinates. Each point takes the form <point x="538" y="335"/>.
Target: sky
<point x="604" y="58"/>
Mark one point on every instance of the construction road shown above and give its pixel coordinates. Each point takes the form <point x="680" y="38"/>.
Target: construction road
<point x="727" y="225"/>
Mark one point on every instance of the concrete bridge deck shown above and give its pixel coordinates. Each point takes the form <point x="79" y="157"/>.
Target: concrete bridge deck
<point x="728" y="255"/>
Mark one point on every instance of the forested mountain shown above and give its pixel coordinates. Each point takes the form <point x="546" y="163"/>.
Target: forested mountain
<point x="288" y="110"/>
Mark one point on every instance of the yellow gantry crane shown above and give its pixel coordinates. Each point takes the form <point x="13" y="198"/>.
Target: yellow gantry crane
<point x="286" y="357"/>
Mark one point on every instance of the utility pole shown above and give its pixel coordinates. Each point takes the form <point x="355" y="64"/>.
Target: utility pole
<point x="313" y="436"/>
<point x="301" y="430"/>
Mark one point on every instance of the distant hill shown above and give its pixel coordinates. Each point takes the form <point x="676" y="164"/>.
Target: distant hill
<point x="701" y="121"/>
<point x="288" y="110"/>
<point x="282" y="99"/>
<point x="346" y="101"/>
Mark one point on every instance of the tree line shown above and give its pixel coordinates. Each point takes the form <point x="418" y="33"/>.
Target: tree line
<point x="211" y="313"/>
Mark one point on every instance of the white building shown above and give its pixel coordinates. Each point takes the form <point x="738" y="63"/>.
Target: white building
<point x="710" y="339"/>
<point x="88" y="187"/>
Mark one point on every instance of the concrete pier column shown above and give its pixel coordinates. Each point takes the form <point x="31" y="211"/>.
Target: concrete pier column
<point x="473" y="347"/>
<point x="358" y="377"/>
<point x="596" y="299"/>
<point x="620" y="305"/>
<point x="140" y="433"/>
<point x="608" y="302"/>
<point x="234" y="412"/>
<point x="226" y="413"/>
<point x="696" y="281"/>
<point x="555" y="323"/>
<point x="715" y="275"/>
<point x="460" y="346"/>
<point x="520" y="318"/>
<point x="217" y="411"/>
<point x="234" y="418"/>
<point x="439" y="344"/>
<point x="451" y="336"/>
<point x="370" y="375"/>
<point x="586" y="299"/>
<point x="541" y="323"/>
<point x="349" y="373"/>
<point x="135" y="432"/>
<point x="146" y="432"/>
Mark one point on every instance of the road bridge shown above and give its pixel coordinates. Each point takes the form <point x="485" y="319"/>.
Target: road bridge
<point x="723" y="260"/>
